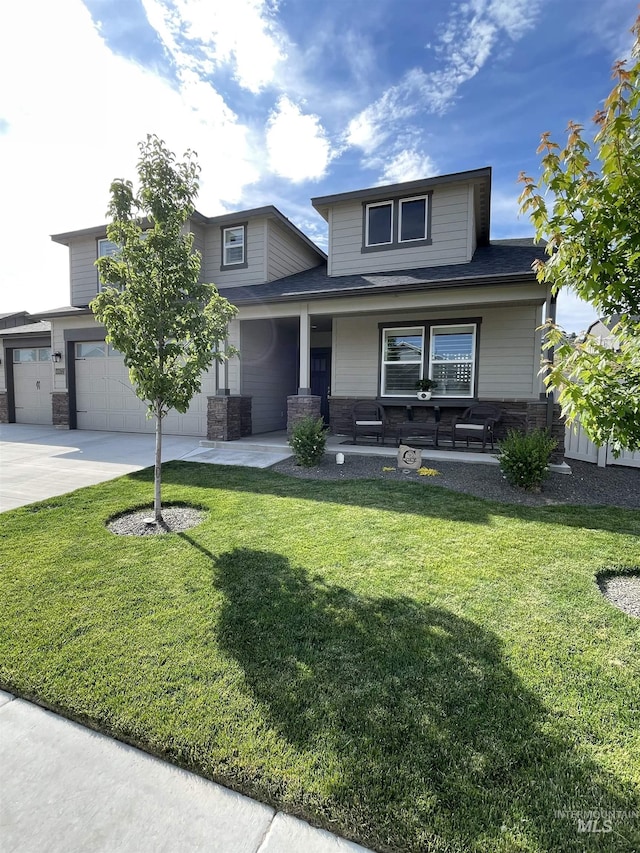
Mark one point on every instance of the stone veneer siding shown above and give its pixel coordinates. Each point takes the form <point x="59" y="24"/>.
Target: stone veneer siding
<point x="524" y="415"/>
<point x="228" y="417"/>
<point x="60" y="408"/>
<point x="301" y="406"/>
<point x="4" y="407"/>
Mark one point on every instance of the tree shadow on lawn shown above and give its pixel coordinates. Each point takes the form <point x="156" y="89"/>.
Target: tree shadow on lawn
<point x="422" y="499"/>
<point x="415" y="732"/>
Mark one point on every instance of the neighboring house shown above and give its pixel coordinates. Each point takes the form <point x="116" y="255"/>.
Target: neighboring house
<point x="412" y="286"/>
<point x="25" y="352"/>
<point x="602" y="329"/>
<point x="15" y="318"/>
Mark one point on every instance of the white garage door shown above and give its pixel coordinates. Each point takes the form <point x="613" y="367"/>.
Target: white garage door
<point x="32" y="385"/>
<point x="105" y="399"/>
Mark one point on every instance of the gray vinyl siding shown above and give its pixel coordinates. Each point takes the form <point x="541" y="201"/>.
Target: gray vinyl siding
<point x="269" y="369"/>
<point x="83" y="271"/>
<point x="449" y="232"/>
<point x="287" y="254"/>
<point x="253" y="273"/>
<point x="509" y="358"/>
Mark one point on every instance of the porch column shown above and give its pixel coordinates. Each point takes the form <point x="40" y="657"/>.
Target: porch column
<point x="222" y="373"/>
<point x="305" y="365"/>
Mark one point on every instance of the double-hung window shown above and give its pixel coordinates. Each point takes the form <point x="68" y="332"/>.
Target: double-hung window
<point x="397" y="222"/>
<point x="444" y="353"/>
<point x="233" y="246"/>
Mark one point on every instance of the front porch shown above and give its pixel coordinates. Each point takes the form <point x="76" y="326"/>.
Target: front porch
<point x="279" y="441"/>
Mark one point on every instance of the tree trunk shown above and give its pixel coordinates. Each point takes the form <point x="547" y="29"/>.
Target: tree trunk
<point x="157" y="478"/>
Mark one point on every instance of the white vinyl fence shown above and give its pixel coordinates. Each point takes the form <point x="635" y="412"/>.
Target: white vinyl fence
<point x="578" y="446"/>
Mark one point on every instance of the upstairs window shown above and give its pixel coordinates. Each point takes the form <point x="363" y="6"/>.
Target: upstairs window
<point x="413" y="219"/>
<point x="379" y="224"/>
<point x="233" y="246"/>
<point x="394" y="224"/>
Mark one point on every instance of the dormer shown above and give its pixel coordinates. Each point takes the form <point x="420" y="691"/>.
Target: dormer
<point x="412" y="225"/>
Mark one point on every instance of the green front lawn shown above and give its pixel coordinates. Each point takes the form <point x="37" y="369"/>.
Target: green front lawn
<point x="407" y="666"/>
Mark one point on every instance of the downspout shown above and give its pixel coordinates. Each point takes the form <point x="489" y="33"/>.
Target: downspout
<point x="550" y="398"/>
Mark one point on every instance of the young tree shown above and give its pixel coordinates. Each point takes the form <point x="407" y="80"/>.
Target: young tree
<point x="166" y="323"/>
<point x="592" y="230"/>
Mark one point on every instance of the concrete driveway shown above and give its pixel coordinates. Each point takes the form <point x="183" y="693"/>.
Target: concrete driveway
<point x="38" y="462"/>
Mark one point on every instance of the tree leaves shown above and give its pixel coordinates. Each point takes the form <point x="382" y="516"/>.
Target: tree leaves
<point x="592" y="229"/>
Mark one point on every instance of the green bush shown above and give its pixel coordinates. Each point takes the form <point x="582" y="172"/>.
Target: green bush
<point x="308" y="440"/>
<point x="524" y="457"/>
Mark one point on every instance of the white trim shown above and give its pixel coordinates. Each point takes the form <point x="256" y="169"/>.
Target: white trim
<point x="405" y="330"/>
<point x="464" y="328"/>
<point x="402" y="201"/>
<point x="225" y="261"/>
<point x="366" y="222"/>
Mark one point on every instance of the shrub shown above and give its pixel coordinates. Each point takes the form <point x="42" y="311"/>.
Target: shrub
<point x="524" y="457"/>
<point x="308" y="439"/>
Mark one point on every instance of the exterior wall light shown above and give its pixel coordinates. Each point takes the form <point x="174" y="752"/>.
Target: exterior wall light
<point x="56" y="356"/>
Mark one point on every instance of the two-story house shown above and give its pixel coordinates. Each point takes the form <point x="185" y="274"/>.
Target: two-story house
<point x="412" y="286"/>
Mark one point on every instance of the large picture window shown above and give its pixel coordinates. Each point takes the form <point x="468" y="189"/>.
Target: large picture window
<point x="444" y="353"/>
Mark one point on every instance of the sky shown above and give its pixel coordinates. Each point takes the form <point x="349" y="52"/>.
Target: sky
<point x="282" y="100"/>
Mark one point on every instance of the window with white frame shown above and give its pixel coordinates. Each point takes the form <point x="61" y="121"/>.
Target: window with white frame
<point x="412" y="219"/>
<point x="452" y="360"/>
<point x="402" y="359"/>
<point x="379" y="224"/>
<point x="233" y="245"/>
<point x="444" y="353"/>
<point x="394" y="223"/>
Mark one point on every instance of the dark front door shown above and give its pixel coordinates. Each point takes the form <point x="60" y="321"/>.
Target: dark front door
<point x="321" y="377"/>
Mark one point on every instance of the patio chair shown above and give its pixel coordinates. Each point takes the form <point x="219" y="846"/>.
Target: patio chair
<point x="368" y="419"/>
<point x="477" y="423"/>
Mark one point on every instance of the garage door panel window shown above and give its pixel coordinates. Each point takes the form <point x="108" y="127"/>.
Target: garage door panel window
<point x="22" y="356"/>
<point x="92" y="349"/>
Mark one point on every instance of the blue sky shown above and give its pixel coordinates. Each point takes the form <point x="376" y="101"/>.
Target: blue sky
<point x="283" y="101"/>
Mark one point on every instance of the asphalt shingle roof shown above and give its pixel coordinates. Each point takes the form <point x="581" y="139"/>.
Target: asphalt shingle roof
<point x="497" y="261"/>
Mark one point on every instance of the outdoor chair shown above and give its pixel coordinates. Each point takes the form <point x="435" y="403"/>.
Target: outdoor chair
<point x="477" y="423"/>
<point x="368" y="419"/>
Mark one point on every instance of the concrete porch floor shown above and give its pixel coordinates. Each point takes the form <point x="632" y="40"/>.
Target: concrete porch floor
<point x="273" y="442"/>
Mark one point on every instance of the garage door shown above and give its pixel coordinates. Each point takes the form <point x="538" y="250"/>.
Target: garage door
<point x="32" y="385"/>
<point x="105" y="399"/>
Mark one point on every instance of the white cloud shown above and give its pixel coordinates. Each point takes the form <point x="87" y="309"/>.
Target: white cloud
<point x="201" y="35"/>
<point x="74" y="127"/>
<point x="475" y="30"/>
<point x="408" y="165"/>
<point x="297" y="144"/>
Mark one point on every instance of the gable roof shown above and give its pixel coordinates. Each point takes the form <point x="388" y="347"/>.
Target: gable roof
<point x="480" y="177"/>
<point x="268" y="211"/>
<point x="492" y="264"/>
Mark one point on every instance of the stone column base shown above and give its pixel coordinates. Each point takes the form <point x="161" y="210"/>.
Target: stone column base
<point x="300" y="407"/>
<point x="4" y="407"/>
<point x="60" y="408"/>
<point x="228" y="417"/>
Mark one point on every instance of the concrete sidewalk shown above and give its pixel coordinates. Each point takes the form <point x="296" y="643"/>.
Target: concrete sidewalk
<point x="68" y="789"/>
